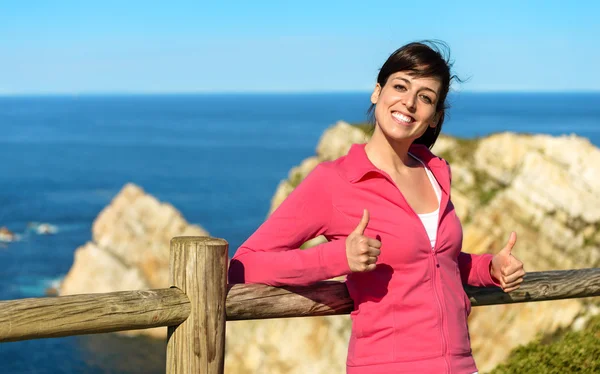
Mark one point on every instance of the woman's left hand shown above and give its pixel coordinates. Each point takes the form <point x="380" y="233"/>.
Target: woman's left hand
<point x="506" y="268"/>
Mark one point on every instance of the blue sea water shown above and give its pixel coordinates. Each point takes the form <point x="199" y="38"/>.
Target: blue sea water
<point x="216" y="158"/>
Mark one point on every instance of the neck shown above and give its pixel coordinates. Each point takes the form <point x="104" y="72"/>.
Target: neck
<point x="389" y="155"/>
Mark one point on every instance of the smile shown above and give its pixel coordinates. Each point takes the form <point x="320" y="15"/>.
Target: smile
<point x="402" y="118"/>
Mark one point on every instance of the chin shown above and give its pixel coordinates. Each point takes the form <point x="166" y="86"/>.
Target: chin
<point x="399" y="133"/>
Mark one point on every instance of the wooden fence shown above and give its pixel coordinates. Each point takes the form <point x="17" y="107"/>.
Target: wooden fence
<point x="199" y="302"/>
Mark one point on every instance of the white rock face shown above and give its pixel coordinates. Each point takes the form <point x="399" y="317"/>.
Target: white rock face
<point x="107" y="273"/>
<point x="336" y="141"/>
<point x="130" y="247"/>
<point x="288" y="345"/>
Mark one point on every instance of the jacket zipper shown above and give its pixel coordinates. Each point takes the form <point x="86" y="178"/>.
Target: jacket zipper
<point x="440" y="310"/>
<point x="435" y="265"/>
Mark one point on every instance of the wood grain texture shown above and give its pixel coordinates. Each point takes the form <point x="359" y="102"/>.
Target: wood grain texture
<point x="198" y="266"/>
<point x="257" y="301"/>
<point x="542" y="286"/>
<point x="52" y="317"/>
<point x="254" y="301"/>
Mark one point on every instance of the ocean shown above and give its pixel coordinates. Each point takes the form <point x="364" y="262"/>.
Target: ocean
<point x="216" y="157"/>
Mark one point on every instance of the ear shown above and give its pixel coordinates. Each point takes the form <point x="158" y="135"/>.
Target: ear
<point x="375" y="94"/>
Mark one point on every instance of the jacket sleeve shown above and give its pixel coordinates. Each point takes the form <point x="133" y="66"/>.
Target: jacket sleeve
<point x="271" y="255"/>
<point x="475" y="270"/>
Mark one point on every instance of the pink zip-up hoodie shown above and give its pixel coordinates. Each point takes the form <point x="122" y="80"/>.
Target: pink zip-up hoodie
<point x="410" y="313"/>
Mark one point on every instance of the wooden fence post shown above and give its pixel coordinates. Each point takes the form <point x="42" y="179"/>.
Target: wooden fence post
<point x="198" y="266"/>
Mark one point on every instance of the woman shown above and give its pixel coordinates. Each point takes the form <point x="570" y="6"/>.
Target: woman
<point x="385" y="209"/>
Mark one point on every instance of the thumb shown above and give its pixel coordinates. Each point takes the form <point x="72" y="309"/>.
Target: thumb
<point x="507" y="250"/>
<point x="362" y="225"/>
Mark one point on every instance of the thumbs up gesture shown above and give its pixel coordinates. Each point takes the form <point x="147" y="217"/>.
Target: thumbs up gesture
<point x="506" y="268"/>
<point x="362" y="251"/>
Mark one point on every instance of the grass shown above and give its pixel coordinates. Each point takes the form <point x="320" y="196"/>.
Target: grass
<point x="569" y="352"/>
<point x="367" y="128"/>
<point x="463" y="151"/>
<point x="296" y="178"/>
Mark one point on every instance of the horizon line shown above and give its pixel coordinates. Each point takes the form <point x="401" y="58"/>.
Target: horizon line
<point x="274" y="92"/>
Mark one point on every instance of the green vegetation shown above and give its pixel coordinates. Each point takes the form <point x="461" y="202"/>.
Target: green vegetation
<point x="567" y="352"/>
<point x="484" y="188"/>
<point x="367" y="128"/>
<point x="296" y="178"/>
<point x="463" y="151"/>
<point x="591" y="239"/>
<point x="485" y="196"/>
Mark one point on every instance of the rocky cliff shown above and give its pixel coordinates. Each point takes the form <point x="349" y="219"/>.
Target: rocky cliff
<point x="545" y="188"/>
<point x="129" y="248"/>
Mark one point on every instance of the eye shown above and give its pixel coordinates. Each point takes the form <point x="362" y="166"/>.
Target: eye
<point x="400" y="87"/>
<point x="426" y="99"/>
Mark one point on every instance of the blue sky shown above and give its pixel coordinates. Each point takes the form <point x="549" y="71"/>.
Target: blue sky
<point x="244" y="46"/>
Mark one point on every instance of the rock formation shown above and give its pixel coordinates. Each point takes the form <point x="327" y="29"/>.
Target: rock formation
<point x="129" y="248"/>
<point x="6" y="235"/>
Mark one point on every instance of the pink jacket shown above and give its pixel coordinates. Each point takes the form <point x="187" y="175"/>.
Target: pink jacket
<point x="410" y="313"/>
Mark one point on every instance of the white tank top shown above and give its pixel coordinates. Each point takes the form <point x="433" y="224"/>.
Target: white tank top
<point x="430" y="220"/>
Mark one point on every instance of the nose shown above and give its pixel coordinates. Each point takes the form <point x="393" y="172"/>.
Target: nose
<point x="409" y="101"/>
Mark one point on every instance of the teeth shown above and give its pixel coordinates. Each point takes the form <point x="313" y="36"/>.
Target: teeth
<point x="402" y="117"/>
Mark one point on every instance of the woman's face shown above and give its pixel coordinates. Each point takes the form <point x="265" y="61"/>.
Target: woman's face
<point x="406" y="106"/>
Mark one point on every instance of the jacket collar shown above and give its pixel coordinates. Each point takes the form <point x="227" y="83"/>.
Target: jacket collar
<point x="356" y="164"/>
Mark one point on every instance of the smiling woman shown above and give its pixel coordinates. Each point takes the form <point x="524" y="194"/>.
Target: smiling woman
<point x="392" y="230"/>
<point x="423" y="63"/>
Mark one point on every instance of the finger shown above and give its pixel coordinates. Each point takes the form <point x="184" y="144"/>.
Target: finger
<point x="508" y="270"/>
<point x="373" y="252"/>
<point x="363" y="249"/>
<point x="372" y="260"/>
<point x="511" y="243"/>
<point x="365" y="267"/>
<point x="513" y="284"/>
<point x="517" y="266"/>
<point x="511" y="289"/>
<point x="373" y="243"/>
<point x="362" y="225"/>
<point x="370" y="267"/>
<point x="514" y="276"/>
<point x="512" y="267"/>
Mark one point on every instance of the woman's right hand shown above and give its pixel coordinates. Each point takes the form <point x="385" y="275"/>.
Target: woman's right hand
<point x="362" y="251"/>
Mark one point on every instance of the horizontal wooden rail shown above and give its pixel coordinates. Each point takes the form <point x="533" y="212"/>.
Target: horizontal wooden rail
<point x="253" y="301"/>
<point x="52" y="317"/>
<point x="129" y="310"/>
<point x="542" y="286"/>
<point x="257" y="301"/>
